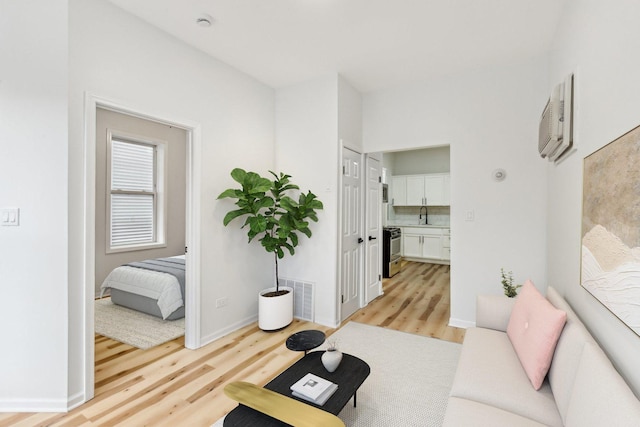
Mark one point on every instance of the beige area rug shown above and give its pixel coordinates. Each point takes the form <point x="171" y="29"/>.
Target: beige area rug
<point x="410" y="379"/>
<point x="133" y="327"/>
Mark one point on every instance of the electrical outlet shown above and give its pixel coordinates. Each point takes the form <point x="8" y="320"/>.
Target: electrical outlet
<point x="222" y="302"/>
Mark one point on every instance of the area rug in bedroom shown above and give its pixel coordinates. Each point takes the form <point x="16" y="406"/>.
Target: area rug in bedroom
<point x="410" y="379"/>
<point x="133" y="327"/>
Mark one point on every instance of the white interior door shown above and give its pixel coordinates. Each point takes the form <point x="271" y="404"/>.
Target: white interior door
<point x="351" y="227"/>
<point x="373" y="265"/>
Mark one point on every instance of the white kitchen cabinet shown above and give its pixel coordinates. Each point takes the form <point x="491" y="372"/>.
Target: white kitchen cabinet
<point x="398" y="191"/>
<point x="446" y="190"/>
<point x="434" y="190"/>
<point x="411" y="245"/>
<point x="422" y="243"/>
<point x="426" y="244"/>
<point x="446" y="244"/>
<point x="415" y="190"/>
<point x="421" y="190"/>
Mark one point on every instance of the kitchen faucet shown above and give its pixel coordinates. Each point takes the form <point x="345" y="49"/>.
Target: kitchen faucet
<point x="426" y="215"/>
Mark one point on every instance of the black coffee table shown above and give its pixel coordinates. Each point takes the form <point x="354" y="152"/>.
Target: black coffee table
<point x="349" y="376"/>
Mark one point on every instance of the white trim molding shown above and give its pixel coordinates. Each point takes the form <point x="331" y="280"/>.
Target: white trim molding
<point x="192" y="286"/>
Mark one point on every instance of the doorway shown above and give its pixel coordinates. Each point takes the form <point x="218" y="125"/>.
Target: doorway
<point x="140" y="218"/>
<point x="425" y="224"/>
<point x="192" y="223"/>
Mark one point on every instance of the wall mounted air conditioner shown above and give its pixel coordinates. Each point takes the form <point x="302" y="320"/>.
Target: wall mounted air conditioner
<point x="555" y="134"/>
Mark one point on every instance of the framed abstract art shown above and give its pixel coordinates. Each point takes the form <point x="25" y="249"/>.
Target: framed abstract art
<point x="611" y="227"/>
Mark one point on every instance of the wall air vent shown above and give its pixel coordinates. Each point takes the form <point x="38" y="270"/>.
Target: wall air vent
<point x="302" y="298"/>
<point x="555" y="133"/>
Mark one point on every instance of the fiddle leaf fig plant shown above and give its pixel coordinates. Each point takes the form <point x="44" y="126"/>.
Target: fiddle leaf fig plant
<point x="272" y="215"/>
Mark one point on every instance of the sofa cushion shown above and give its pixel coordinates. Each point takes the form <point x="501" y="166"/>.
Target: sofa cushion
<point x="534" y="328"/>
<point x="464" y="412"/>
<point x="489" y="372"/>
<point x="600" y="396"/>
<point x="493" y="311"/>
<point x="564" y="364"/>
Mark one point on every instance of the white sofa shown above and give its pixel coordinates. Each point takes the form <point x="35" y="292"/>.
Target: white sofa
<point x="491" y="388"/>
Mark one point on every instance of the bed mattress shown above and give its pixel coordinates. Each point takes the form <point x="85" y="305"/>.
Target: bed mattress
<point x="139" y="287"/>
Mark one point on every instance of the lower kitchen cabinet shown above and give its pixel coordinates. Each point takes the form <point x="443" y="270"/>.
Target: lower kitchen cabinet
<point x="446" y="244"/>
<point x="424" y="244"/>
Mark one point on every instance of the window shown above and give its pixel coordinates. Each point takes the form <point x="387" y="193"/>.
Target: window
<point x="135" y="208"/>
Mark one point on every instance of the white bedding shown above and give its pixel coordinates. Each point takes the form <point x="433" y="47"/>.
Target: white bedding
<point x="162" y="287"/>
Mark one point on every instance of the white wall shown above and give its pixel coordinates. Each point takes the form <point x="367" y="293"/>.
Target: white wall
<point x="349" y="115"/>
<point x="490" y="120"/>
<point x="599" y="42"/>
<point x="33" y="172"/>
<point x="307" y="149"/>
<point x="119" y="57"/>
<point x="428" y="160"/>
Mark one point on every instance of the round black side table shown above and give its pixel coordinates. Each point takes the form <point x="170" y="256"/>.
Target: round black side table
<point x="305" y="340"/>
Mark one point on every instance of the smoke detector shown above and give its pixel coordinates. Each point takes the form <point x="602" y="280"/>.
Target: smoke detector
<point x="204" y="20"/>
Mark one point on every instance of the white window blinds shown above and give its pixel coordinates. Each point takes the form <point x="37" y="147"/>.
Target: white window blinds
<point x="133" y="193"/>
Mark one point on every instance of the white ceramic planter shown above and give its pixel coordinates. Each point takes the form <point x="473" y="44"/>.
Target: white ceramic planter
<point x="275" y="312"/>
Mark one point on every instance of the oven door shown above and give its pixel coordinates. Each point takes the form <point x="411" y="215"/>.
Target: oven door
<point x="395" y="250"/>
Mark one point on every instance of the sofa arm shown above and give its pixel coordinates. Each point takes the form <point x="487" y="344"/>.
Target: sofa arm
<point x="493" y="311"/>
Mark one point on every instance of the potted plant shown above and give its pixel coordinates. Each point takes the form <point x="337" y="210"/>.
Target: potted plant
<point x="510" y="289"/>
<point x="275" y="219"/>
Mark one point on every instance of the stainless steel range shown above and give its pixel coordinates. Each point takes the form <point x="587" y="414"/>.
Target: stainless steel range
<point x="391" y="258"/>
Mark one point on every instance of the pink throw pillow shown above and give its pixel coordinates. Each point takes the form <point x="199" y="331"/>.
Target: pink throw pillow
<point x="534" y="328"/>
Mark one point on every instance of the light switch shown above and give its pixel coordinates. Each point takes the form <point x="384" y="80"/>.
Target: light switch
<point x="470" y="216"/>
<point x="10" y="216"/>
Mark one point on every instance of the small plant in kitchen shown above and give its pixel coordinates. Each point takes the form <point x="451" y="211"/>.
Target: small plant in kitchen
<point x="510" y="289"/>
<point x="272" y="216"/>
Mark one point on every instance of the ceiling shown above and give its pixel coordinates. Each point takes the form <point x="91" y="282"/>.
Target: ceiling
<point x="374" y="44"/>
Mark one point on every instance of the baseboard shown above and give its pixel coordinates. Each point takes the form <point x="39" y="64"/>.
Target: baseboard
<point x="76" y="400"/>
<point x="331" y="323"/>
<point x="208" y="339"/>
<point x="458" y="323"/>
<point x="33" y="405"/>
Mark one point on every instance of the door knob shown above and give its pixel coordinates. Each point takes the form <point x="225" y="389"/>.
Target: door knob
<point x="372" y="238"/>
<point x="360" y="240"/>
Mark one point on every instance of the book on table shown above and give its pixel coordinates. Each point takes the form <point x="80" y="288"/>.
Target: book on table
<point x="314" y="389"/>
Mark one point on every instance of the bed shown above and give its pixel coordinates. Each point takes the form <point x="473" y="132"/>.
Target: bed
<point x="154" y="286"/>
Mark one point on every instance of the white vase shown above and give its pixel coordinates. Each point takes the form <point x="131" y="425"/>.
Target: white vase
<point x="331" y="359"/>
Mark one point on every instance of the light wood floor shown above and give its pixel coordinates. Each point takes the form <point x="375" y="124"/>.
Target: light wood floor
<point x="172" y="386"/>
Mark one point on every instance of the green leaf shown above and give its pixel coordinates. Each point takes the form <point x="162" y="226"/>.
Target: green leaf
<point x="290" y="248"/>
<point x="265" y="202"/>
<point x="288" y="204"/>
<point x="230" y="216"/>
<point x="238" y="175"/>
<point x="258" y="224"/>
<point x="306" y="232"/>
<point x="230" y="192"/>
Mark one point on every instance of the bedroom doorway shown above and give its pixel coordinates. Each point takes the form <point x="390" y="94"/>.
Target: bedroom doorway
<point x="141" y="175"/>
<point x="191" y="241"/>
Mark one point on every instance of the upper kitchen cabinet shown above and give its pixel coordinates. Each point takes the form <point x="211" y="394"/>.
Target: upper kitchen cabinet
<point x="398" y="191"/>
<point x="420" y="190"/>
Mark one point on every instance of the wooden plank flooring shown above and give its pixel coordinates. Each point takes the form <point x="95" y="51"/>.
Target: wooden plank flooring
<point x="172" y="386"/>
